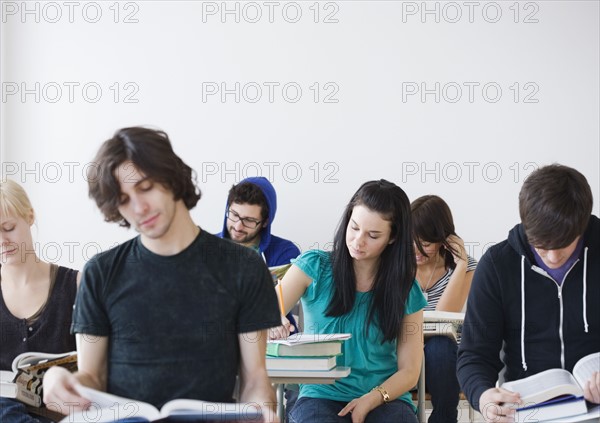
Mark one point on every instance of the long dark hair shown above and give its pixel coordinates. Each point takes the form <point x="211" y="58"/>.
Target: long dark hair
<point x="397" y="267"/>
<point x="151" y="152"/>
<point x="432" y="222"/>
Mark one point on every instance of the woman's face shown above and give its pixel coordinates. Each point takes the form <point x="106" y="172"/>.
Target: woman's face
<point x="432" y="249"/>
<point x="15" y="238"/>
<point x="367" y="234"/>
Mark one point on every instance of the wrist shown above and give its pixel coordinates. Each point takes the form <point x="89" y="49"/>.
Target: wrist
<point x="461" y="264"/>
<point x="382" y="394"/>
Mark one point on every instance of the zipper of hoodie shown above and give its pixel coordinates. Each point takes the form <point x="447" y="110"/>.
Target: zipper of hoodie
<point x="560" y="301"/>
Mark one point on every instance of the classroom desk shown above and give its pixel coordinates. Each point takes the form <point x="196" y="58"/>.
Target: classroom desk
<point x="281" y="377"/>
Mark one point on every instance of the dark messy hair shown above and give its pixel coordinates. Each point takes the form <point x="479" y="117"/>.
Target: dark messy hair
<point x="152" y="154"/>
<point x="555" y="204"/>
<point x="249" y="193"/>
<point x="397" y="266"/>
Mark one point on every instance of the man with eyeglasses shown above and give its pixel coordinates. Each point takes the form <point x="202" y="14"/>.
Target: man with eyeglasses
<point x="250" y="211"/>
<point x="249" y="214"/>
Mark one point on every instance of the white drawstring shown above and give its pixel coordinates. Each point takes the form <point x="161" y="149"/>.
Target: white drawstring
<point x="523" y="362"/>
<point x="585" y="322"/>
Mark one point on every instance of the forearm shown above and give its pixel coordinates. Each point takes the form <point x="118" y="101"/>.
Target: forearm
<point x="474" y="381"/>
<point x="258" y="390"/>
<point x="477" y="364"/>
<point x="97" y="382"/>
<point x="401" y="382"/>
<point x="457" y="290"/>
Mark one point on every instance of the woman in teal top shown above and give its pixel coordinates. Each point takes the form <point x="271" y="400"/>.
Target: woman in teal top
<point x="365" y="286"/>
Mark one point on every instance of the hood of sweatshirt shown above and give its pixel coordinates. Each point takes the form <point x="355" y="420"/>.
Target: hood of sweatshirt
<point x="271" y="197"/>
<point x="518" y="241"/>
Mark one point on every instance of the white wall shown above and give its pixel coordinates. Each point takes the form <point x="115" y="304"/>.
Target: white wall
<point x="368" y="122"/>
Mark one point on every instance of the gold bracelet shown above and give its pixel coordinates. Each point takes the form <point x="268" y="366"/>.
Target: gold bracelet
<point x="383" y="392"/>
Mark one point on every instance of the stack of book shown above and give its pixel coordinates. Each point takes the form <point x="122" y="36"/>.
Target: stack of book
<point x="305" y="352"/>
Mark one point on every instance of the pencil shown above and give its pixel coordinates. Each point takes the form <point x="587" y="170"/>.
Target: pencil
<point x="281" y="298"/>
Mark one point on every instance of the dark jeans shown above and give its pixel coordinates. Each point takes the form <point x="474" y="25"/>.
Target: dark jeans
<point x="291" y="396"/>
<point x="314" y="410"/>
<point x="440" y="378"/>
<point x="12" y="411"/>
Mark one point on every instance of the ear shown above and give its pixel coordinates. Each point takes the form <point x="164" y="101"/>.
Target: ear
<point x="30" y="218"/>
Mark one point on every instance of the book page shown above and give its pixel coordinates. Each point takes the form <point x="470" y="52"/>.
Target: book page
<point x="107" y="408"/>
<point x="585" y="367"/>
<point x="217" y="411"/>
<point x="545" y="385"/>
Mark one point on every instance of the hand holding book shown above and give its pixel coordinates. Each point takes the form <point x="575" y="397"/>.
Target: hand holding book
<point x="556" y="393"/>
<point x="497" y="403"/>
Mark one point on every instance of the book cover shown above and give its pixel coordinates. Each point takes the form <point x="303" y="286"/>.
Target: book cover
<point x="298" y="363"/>
<point x="108" y="408"/>
<point x="557" y="408"/>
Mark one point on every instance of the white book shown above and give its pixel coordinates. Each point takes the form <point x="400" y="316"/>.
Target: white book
<point x="8" y="388"/>
<point x="541" y="390"/>
<point x="108" y="408"/>
<point x="301" y="363"/>
<point x="337" y="372"/>
<point x="308" y="338"/>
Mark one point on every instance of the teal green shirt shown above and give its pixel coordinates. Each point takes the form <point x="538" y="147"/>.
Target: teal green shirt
<point x="371" y="361"/>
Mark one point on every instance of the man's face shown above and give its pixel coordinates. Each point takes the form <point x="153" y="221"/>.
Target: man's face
<point x="244" y="223"/>
<point x="148" y="206"/>
<point x="556" y="258"/>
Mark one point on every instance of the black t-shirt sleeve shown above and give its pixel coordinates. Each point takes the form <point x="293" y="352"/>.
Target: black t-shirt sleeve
<point x="89" y="315"/>
<point x="259" y="307"/>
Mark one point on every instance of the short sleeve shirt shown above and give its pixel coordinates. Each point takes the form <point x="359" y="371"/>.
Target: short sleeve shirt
<point x="173" y="321"/>
<point x="371" y="362"/>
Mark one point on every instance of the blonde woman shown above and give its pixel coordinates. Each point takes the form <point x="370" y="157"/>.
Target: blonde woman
<point x="36" y="300"/>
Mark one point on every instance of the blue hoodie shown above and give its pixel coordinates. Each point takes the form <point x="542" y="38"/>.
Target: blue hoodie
<point x="275" y="250"/>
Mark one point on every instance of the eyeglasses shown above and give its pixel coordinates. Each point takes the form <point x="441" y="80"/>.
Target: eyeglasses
<point x="248" y="222"/>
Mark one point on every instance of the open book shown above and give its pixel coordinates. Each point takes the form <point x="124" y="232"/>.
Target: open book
<point x="555" y="391"/>
<point x="25" y="381"/>
<point x="107" y="408"/>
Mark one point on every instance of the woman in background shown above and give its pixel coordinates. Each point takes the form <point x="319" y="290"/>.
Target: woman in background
<point x="444" y="273"/>
<point x="36" y="299"/>
<point x="365" y="286"/>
